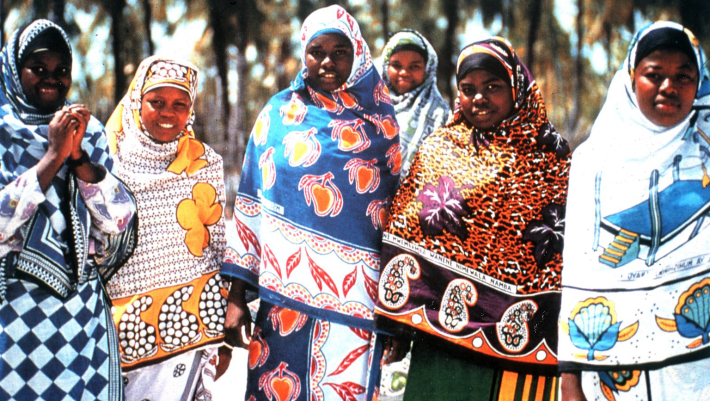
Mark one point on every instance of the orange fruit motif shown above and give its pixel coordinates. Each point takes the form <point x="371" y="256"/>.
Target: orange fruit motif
<point x="323" y="198"/>
<point x="365" y="176"/>
<point x="389" y="128"/>
<point x="382" y="215"/>
<point x="348" y="100"/>
<point x="397" y="162"/>
<point x="288" y="319"/>
<point x="283" y="388"/>
<point x="255" y="350"/>
<point x="349" y="138"/>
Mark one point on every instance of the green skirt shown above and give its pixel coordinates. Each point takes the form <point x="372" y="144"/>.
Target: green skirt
<point x="435" y="374"/>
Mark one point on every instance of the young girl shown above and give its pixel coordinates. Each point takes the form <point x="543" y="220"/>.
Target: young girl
<point x="409" y="71"/>
<point x="471" y="257"/>
<point x="168" y="299"/>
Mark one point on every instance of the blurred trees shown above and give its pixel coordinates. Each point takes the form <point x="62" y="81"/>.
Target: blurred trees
<point x="248" y="50"/>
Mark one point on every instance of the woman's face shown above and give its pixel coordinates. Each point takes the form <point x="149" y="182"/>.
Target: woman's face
<point x="486" y="100"/>
<point x="329" y="60"/>
<point x="46" y="79"/>
<point x="406" y="70"/>
<point x="165" y="112"/>
<point x="665" y="83"/>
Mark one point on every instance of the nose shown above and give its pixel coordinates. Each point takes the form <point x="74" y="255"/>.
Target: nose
<point x="478" y="98"/>
<point x="668" y="87"/>
<point x="327" y="61"/>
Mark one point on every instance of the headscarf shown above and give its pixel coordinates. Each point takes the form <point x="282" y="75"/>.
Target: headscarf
<point x="637" y="274"/>
<point x="472" y="254"/>
<point x="318" y="173"/>
<point x="23" y="142"/>
<point x="179" y="188"/>
<point x="421" y="110"/>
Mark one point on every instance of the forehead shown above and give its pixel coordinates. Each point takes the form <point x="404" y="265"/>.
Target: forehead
<point x="167" y="92"/>
<point x="47" y="57"/>
<point x="666" y="58"/>
<point x="479" y="76"/>
<point x="329" y="40"/>
<point x="409" y="56"/>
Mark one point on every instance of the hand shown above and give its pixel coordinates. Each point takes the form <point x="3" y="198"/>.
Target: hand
<point x="81" y="115"/>
<point x="225" y="358"/>
<point x="238" y="316"/>
<point x="571" y="387"/>
<point x="395" y="349"/>
<point x="61" y="135"/>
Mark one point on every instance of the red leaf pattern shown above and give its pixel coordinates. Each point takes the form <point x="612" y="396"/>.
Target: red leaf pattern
<point x="370" y="286"/>
<point x="347" y="390"/>
<point x="349" y="281"/>
<point x="247" y="236"/>
<point x="320" y="276"/>
<point x="271" y="258"/>
<point x="292" y="262"/>
<point x="364" y="334"/>
<point x="350" y="358"/>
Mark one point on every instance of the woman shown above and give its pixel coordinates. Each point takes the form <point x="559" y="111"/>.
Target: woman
<point x="635" y="291"/>
<point x="471" y="258"/>
<point x="409" y="71"/>
<point x="66" y="224"/>
<point x="168" y="305"/>
<point x="321" y="163"/>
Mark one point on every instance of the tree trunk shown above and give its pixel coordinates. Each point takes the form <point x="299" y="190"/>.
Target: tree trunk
<point x="447" y="69"/>
<point x="219" y="46"/>
<point x="115" y="8"/>
<point x="2" y="23"/>
<point x="385" y="11"/>
<point x="147" y="19"/>
<point x="57" y="13"/>
<point x="533" y="28"/>
<point x="693" y="15"/>
<point x="578" y="70"/>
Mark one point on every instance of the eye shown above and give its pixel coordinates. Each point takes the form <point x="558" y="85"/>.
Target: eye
<point x="37" y="70"/>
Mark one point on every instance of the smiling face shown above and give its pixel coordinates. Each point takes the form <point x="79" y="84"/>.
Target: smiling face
<point x="46" y="79"/>
<point x="665" y="83"/>
<point x="486" y="100"/>
<point x="406" y="70"/>
<point x="329" y="60"/>
<point x="165" y="112"/>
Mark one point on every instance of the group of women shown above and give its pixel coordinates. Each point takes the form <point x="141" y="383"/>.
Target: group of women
<point x="368" y="217"/>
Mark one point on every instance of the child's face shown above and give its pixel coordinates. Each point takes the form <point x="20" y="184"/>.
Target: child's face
<point x="165" y="112"/>
<point x="407" y="70"/>
<point x="486" y="100"/>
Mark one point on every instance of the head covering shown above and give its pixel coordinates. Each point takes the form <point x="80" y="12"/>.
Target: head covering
<point x="421" y="110"/>
<point x="636" y="265"/>
<point x="472" y="254"/>
<point x="19" y="47"/>
<point x="662" y="37"/>
<point x="318" y="174"/>
<point x="179" y="189"/>
<point x="23" y="143"/>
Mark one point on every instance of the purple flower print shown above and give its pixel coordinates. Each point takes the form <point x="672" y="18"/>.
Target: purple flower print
<point x="443" y="209"/>
<point x="551" y="140"/>
<point x="547" y="234"/>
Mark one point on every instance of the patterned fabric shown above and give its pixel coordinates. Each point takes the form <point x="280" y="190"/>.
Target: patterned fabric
<point x="318" y="174"/>
<point x="57" y="349"/>
<point x="169" y="297"/>
<point x="294" y="356"/>
<point x="185" y="377"/>
<point x="42" y="243"/>
<point x="422" y="110"/>
<point x="441" y="375"/>
<point x="56" y="340"/>
<point x="637" y="272"/>
<point x="472" y="251"/>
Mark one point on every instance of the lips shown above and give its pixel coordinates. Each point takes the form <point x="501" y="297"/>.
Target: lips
<point x="166" y="126"/>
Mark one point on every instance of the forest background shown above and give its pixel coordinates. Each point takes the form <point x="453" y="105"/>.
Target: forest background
<point x="248" y="50"/>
